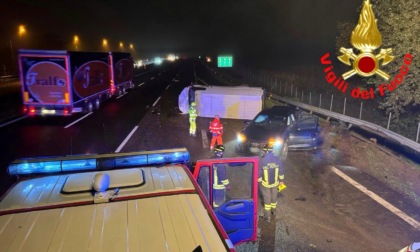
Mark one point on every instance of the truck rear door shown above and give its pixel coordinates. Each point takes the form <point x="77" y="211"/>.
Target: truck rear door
<point x="44" y="77"/>
<point x="235" y="204"/>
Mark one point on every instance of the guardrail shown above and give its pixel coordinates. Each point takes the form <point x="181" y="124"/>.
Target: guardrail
<point x="353" y="121"/>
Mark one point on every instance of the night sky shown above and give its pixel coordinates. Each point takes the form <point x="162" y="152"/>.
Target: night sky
<point x="264" y="31"/>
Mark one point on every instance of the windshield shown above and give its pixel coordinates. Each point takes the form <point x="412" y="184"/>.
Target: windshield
<point x="270" y="121"/>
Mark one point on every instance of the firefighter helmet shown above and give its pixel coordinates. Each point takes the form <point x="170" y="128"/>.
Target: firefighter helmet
<point x="219" y="150"/>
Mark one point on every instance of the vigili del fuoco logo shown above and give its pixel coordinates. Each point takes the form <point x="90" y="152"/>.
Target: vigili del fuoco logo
<point x="366" y="38"/>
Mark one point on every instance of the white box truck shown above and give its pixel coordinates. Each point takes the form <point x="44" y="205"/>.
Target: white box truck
<point x="227" y="102"/>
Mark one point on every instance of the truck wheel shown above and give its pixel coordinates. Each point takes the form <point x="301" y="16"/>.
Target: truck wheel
<point x="284" y="151"/>
<point x="97" y="103"/>
<point x="89" y="107"/>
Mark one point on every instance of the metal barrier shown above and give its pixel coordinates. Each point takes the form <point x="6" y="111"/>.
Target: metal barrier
<point x="353" y="121"/>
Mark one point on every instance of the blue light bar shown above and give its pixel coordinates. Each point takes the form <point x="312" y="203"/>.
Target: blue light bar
<point x="131" y="161"/>
<point x="97" y="162"/>
<point x="79" y="164"/>
<point x="35" y="167"/>
<point x="174" y="157"/>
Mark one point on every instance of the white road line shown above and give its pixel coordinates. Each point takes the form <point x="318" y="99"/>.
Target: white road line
<point x="168" y="87"/>
<point x="78" y="120"/>
<point x="204" y="138"/>
<point x="152" y="78"/>
<point x="143" y="73"/>
<point x="17" y="119"/>
<point x="126" y="139"/>
<point x="141" y="84"/>
<point x="121" y="96"/>
<point x="378" y="199"/>
<point x="156" y="101"/>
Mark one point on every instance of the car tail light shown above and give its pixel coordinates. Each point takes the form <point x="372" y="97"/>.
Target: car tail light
<point x="66" y="111"/>
<point x="25" y="109"/>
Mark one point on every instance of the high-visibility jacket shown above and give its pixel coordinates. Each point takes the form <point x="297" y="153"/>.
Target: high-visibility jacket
<point x="192" y="113"/>
<point x="216" y="128"/>
<point x="270" y="170"/>
<point x="220" y="179"/>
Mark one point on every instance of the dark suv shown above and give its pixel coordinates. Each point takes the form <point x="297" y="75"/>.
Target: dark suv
<point x="282" y="126"/>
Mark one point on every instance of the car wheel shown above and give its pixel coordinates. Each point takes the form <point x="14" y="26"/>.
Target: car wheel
<point x="284" y="151"/>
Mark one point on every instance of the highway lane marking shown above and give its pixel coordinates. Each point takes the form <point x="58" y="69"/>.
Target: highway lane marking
<point x="156" y="101"/>
<point x="152" y="78"/>
<point x="167" y="87"/>
<point x="144" y="73"/>
<point x="126" y="139"/>
<point x="378" y="199"/>
<point x="78" y="120"/>
<point x="121" y="96"/>
<point x="141" y="84"/>
<point x="204" y="138"/>
<point x="17" y="119"/>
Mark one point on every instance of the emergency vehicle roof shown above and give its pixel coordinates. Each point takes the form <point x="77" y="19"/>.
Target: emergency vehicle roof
<point x="157" y="209"/>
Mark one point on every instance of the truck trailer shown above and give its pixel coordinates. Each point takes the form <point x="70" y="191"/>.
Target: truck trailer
<point x="67" y="82"/>
<point x="134" y="201"/>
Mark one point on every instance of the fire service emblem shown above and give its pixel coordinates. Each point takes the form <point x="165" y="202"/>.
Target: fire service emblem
<point x="366" y="38"/>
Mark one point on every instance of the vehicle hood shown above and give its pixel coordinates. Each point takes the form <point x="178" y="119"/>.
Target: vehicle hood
<point x="260" y="134"/>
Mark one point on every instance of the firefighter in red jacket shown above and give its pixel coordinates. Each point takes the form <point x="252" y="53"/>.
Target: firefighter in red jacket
<point x="270" y="176"/>
<point x="216" y="129"/>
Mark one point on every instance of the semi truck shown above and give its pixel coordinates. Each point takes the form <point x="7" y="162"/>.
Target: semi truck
<point x="58" y="82"/>
<point x="134" y="201"/>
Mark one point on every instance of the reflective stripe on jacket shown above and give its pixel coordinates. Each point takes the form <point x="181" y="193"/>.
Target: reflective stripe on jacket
<point x="220" y="180"/>
<point x="193" y="113"/>
<point x="270" y="170"/>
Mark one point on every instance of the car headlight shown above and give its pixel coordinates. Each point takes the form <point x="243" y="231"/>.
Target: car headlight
<point x="275" y="142"/>
<point x="240" y="137"/>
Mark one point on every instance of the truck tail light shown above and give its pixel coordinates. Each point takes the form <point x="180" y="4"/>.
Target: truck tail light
<point x="66" y="97"/>
<point x="112" y="89"/>
<point x="31" y="110"/>
<point x="66" y="111"/>
<point x="25" y="96"/>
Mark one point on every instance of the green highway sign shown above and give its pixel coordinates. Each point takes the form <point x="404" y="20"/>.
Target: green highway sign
<point x="224" y="61"/>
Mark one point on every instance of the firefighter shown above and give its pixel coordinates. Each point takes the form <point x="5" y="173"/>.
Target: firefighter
<point x="192" y="118"/>
<point x="216" y="129"/>
<point x="270" y="176"/>
<point x="220" y="179"/>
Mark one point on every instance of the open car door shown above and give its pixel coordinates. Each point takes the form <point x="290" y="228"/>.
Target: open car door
<point x="306" y="133"/>
<point x="235" y="204"/>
